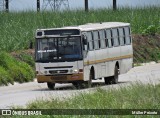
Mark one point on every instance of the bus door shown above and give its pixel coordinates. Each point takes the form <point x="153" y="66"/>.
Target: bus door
<point x="89" y="55"/>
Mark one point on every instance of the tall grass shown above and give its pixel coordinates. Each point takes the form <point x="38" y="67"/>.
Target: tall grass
<point x="12" y="70"/>
<point x="17" y="29"/>
<point x="136" y="96"/>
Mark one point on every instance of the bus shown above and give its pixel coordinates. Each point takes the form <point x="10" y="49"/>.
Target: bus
<point x="81" y="54"/>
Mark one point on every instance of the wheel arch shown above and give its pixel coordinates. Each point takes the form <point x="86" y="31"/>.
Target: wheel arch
<point x="92" y="70"/>
<point x="117" y="64"/>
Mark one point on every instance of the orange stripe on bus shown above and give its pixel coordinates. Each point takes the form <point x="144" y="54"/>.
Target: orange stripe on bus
<point x="107" y="59"/>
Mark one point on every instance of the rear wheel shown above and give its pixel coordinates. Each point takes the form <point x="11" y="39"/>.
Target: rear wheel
<point x="112" y="79"/>
<point x="50" y="85"/>
<point x="108" y="80"/>
<point x="115" y="77"/>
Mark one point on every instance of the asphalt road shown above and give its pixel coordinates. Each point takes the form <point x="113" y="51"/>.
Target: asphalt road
<point x="21" y="94"/>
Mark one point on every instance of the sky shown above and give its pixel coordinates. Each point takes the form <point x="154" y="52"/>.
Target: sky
<point x="23" y="5"/>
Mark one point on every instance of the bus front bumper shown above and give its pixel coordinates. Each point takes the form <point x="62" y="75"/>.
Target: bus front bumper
<point x="60" y="78"/>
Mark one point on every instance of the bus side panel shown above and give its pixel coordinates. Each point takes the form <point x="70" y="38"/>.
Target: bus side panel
<point x="114" y="55"/>
<point x="126" y="62"/>
<point x="86" y="73"/>
<point x="126" y="65"/>
<point x="101" y="65"/>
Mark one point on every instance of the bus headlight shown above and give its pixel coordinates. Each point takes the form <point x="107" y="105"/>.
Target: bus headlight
<point x="75" y="71"/>
<point x="45" y="72"/>
<point x="71" y="71"/>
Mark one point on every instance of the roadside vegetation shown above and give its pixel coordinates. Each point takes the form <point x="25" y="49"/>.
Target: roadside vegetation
<point x="135" y="96"/>
<point x="12" y="70"/>
<point x="18" y="30"/>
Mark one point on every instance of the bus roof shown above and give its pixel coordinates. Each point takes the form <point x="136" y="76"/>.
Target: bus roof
<point x="92" y="26"/>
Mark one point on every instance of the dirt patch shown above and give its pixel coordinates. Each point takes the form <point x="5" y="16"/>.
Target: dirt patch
<point x="151" y="41"/>
<point x="146" y="48"/>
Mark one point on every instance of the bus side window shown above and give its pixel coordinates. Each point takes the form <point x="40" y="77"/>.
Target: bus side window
<point x="90" y="40"/>
<point x="115" y="37"/>
<point x="130" y="35"/>
<point x="102" y="38"/>
<point x="109" y="38"/>
<point x="96" y="38"/>
<point x="121" y="36"/>
<point x="127" y="35"/>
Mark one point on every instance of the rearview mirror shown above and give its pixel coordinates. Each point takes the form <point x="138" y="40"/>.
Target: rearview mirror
<point x="84" y="38"/>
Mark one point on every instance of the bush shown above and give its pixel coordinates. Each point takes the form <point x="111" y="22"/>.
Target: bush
<point x="151" y="30"/>
<point x="28" y="73"/>
<point x="17" y="70"/>
<point x="27" y="58"/>
<point x="5" y="77"/>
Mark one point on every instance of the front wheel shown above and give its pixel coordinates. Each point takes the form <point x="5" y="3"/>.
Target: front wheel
<point x="91" y="77"/>
<point x="108" y="80"/>
<point x="50" y="85"/>
<point x="79" y="84"/>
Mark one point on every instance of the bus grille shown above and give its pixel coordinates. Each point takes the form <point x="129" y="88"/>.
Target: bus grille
<point x="58" y="71"/>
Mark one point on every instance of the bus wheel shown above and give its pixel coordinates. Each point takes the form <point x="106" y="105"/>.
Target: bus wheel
<point x="91" y="77"/>
<point x="76" y="84"/>
<point x="51" y="85"/>
<point x="108" y="80"/>
<point x="115" y="77"/>
<point x="79" y="84"/>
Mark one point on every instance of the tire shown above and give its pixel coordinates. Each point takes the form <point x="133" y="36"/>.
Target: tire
<point x="112" y="79"/>
<point x="85" y="84"/>
<point x="79" y="85"/>
<point x="76" y="84"/>
<point x="51" y="86"/>
<point x="91" y="77"/>
<point x="115" y="77"/>
<point x="108" y="80"/>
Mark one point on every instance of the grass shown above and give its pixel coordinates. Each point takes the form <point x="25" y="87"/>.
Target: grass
<point x="26" y="56"/>
<point x="136" y="96"/>
<point x="12" y="70"/>
<point x="17" y="29"/>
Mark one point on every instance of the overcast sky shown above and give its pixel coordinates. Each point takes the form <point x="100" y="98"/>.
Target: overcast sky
<point x="17" y="5"/>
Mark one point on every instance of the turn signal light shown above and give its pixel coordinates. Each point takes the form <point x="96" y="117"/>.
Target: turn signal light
<point x="80" y="70"/>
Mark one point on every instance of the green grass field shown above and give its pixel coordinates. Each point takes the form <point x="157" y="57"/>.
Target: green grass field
<point x="136" y="96"/>
<point x="18" y="29"/>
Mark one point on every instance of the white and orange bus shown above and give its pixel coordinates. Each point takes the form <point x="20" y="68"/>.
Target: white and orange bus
<point x="80" y="54"/>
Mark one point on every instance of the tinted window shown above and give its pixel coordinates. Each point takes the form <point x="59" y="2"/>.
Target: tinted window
<point x="90" y="40"/>
<point x="121" y="36"/>
<point x="95" y="37"/>
<point x="127" y="35"/>
<point x="115" y="37"/>
<point x="108" y="34"/>
<point x="102" y="38"/>
<point x="62" y="32"/>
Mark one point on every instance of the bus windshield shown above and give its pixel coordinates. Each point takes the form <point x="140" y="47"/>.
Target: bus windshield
<point x="58" y="49"/>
